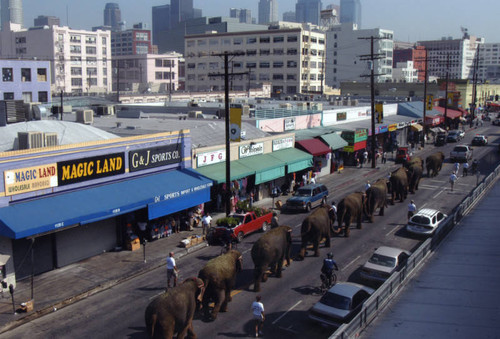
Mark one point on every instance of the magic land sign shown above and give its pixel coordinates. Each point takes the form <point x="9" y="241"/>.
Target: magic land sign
<point x="79" y="170"/>
<point x="29" y="179"/>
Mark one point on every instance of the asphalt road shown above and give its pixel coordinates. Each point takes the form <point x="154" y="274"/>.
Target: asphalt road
<point x="119" y="311"/>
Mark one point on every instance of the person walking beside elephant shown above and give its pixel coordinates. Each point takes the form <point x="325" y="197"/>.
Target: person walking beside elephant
<point x="258" y="315"/>
<point x="453" y="178"/>
<point x="412" y="208"/>
<point x="172" y="270"/>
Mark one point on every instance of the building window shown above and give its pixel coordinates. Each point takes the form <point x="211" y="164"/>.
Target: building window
<point x="265" y="40"/>
<point x="26" y="74"/>
<point x="278" y="64"/>
<point x="278" y="51"/>
<point x="191" y="65"/>
<point x="91" y="71"/>
<point x="75" y="38"/>
<point x="7" y="74"/>
<point x="305" y="63"/>
<point x="21" y="40"/>
<point x="213" y="65"/>
<point x="277" y="76"/>
<point x="213" y="42"/>
<point x="313" y="39"/>
<point x="8" y="96"/>
<point x="202" y="42"/>
<point x="305" y="38"/>
<point x="76" y="71"/>
<point x="251" y="64"/>
<point x="251" y="52"/>
<point x="291" y="89"/>
<point x="91" y="50"/>
<point x="91" y="61"/>
<point x="278" y="39"/>
<point x="43" y="96"/>
<point x="158" y="75"/>
<point x="292" y="38"/>
<point x="75" y="49"/>
<point x="237" y="41"/>
<point x="76" y="81"/>
<point x="291" y="77"/>
<point x="264" y="77"/>
<point x="41" y="74"/>
<point x="190" y="43"/>
<point x="264" y="64"/>
<point x="158" y="63"/>
<point x="90" y="39"/>
<point x="313" y="77"/>
<point x="226" y="42"/>
<point x="265" y="52"/>
<point x="291" y="51"/>
<point x="251" y="40"/>
<point x="304" y="76"/>
<point x="21" y="50"/>
<point x="313" y="64"/>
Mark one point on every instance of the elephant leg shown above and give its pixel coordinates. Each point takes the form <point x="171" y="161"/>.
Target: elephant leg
<point x="382" y="210"/>
<point x="279" y="268"/>
<point x="190" y="333"/>
<point x="327" y="241"/>
<point x="316" y="247"/>
<point x="206" y="308"/>
<point x="303" y="251"/>
<point x="257" y="278"/>
<point x="347" y="230"/>
<point x="227" y="299"/>
<point x="358" y="221"/>
<point x="371" y="216"/>
<point x="218" y="302"/>
<point x="168" y="327"/>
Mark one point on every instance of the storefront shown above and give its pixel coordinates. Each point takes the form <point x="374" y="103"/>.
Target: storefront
<point x="336" y="144"/>
<point x="321" y="155"/>
<point x="356" y="145"/>
<point x="72" y="203"/>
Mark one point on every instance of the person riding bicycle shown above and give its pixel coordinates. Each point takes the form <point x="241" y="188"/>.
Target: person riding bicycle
<point x="328" y="266"/>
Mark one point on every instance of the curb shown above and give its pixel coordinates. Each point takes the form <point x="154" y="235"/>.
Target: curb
<point x="94" y="290"/>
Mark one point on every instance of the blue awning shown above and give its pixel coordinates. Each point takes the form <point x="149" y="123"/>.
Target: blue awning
<point x="161" y="193"/>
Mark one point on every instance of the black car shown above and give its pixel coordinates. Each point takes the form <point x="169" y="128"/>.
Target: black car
<point x="453" y="136"/>
<point x="496" y="122"/>
<point x="440" y="139"/>
<point x="479" y="140"/>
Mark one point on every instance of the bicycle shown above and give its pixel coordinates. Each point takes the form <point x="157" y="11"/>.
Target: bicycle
<point x="327" y="283"/>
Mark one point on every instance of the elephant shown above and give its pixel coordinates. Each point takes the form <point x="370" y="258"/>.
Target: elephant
<point x="270" y="250"/>
<point x="399" y="184"/>
<point x="434" y="163"/>
<point x="415" y="170"/>
<point x="173" y="311"/>
<point x="219" y="276"/>
<point x="316" y="226"/>
<point x="351" y="208"/>
<point x="376" y="197"/>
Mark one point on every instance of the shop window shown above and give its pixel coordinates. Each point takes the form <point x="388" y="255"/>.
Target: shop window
<point x="8" y="96"/>
<point x="7" y="74"/>
<point x="43" y="96"/>
<point x="26" y="74"/>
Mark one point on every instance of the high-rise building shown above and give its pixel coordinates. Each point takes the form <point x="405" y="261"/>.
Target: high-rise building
<point x="12" y="11"/>
<point x="308" y="11"/>
<point x="289" y="16"/>
<point x="112" y="16"/>
<point x="44" y="20"/>
<point x="244" y="15"/>
<point x="489" y="62"/>
<point x="268" y="11"/>
<point x="350" y="11"/>
<point x="131" y="42"/>
<point x="161" y="20"/>
<point x="180" y="10"/>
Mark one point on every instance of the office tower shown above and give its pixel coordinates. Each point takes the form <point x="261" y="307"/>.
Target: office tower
<point x="161" y="21"/>
<point x="112" y="16"/>
<point x="350" y="11"/>
<point x="308" y="11"/>
<point x="268" y="11"/>
<point x="180" y="10"/>
<point x="244" y="15"/>
<point x="12" y="11"/>
<point x="289" y="16"/>
<point x="44" y="20"/>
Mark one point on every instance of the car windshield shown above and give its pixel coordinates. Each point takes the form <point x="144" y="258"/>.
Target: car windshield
<point x="382" y="260"/>
<point x="460" y="149"/>
<point x="420" y="219"/>
<point x="301" y="192"/>
<point x="336" y="301"/>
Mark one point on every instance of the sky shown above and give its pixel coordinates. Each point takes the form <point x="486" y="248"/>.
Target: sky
<point x="411" y="20"/>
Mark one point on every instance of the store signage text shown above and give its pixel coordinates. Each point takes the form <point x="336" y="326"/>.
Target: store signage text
<point x="283" y="143"/>
<point x="341" y="116"/>
<point x="251" y="149"/>
<point x="154" y="157"/>
<point x="178" y="194"/>
<point x="210" y="158"/>
<point x="30" y="179"/>
<point x="289" y="124"/>
<point x="79" y="170"/>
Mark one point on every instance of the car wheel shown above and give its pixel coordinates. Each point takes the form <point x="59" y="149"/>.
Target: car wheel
<point x="240" y="237"/>
<point x="265" y="227"/>
<point x="308" y="208"/>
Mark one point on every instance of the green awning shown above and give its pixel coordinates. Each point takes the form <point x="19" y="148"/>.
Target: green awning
<point x="294" y="158"/>
<point x="217" y="172"/>
<point x="334" y="140"/>
<point x="265" y="166"/>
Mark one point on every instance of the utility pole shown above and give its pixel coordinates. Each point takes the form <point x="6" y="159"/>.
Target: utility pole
<point x="426" y="78"/>
<point x="371" y="58"/>
<point x="62" y="106"/>
<point x="170" y="85"/>
<point x="446" y="91"/>
<point x="474" y="88"/>
<point x="118" y="81"/>
<point x="226" y="55"/>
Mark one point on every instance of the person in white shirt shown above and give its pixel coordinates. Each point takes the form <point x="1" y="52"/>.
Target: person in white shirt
<point x="172" y="271"/>
<point x="206" y="221"/>
<point x="453" y="178"/>
<point x="412" y="208"/>
<point x="465" y="169"/>
<point x="258" y="315"/>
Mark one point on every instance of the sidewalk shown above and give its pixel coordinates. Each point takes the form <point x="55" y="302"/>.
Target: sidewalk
<point x="58" y="288"/>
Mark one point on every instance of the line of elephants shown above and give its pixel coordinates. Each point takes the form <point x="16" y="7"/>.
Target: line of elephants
<point x="173" y="311"/>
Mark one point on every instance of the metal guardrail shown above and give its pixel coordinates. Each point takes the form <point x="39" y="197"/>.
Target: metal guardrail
<point x="396" y="281"/>
<point x="274" y="113"/>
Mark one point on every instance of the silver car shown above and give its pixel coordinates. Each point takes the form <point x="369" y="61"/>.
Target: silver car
<point x="383" y="262"/>
<point x="425" y="221"/>
<point x="340" y="304"/>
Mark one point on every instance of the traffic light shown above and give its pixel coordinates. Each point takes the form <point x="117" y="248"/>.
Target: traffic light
<point x="379" y="111"/>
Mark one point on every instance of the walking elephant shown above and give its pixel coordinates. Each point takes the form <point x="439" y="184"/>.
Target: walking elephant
<point x="316" y="226"/>
<point x="376" y="197"/>
<point x="415" y="170"/>
<point x="219" y="276"/>
<point x="351" y="208"/>
<point x="173" y="311"/>
<point x="434" y="163"/>
<point x="270" y="251"/>
<point x="399" y="184"/>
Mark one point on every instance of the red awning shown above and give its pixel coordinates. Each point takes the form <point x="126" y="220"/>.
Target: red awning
<point x="313" y="146"/>
<point x="450" y="113"/>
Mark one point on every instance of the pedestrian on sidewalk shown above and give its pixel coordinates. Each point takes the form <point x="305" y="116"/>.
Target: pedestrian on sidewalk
<point x="412" y="208"/>
<point x="172" y="270"/>
<point x="453" y="178"/>
<point x="456" y="167"/>
<point x="465" y="170"/>
<point x="258" y="315"/>
<point x="206" y="222"/>
<point x="384" y="157"/>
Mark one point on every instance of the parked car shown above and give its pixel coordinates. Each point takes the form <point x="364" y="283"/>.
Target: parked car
<point x="440" y="139"/>
<point x="453" y="136"/>
<point x="461" y="133"/>
<point x="307" y="197"/>
<point x="479" y="140"/>
<point x="425" y="221"/>
<point x="402" y="155"/>
<point x="340" y="304"/>
<point x="461" y="153"/>
<point x="496" y="122"/>
<point x="383" y="262"/>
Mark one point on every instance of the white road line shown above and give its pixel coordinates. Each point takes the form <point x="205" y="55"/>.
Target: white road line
<point x="349" y="264"/>
<point x="428" y="186"/>
<point x="395" y="228"/>
<point x="246" y="251"/>
<point x="288" y="329"/>
<point x="291" y="308"/>
<point x="297" y="225"/>
<point x="154" y="296"/>
<point x="438" y="193"/>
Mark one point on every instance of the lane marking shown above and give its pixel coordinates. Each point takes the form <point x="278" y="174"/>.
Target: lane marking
<point x="349" y="264"/>
<point x="291" y="308"/>
<point x="395" y="228"/>
<point x="438" y="193"/>
<point x="289" y="329"/>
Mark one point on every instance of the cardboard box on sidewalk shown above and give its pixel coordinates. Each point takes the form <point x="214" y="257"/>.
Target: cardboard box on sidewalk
<point x="133" y="246"/>
<point x="27" y="306"/>
<point x="191" y="241"/>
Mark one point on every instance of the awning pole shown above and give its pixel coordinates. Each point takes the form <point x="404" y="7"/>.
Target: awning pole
<point x="32" y="266"/>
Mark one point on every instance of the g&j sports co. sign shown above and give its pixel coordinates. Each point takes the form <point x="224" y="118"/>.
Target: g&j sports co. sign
<point x="154" y="157"/>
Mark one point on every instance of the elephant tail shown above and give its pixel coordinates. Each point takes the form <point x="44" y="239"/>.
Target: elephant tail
<point x="306" y="227"/>
<point x="341" y="216"/>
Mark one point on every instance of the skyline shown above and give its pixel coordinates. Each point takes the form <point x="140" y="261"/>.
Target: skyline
<point x="401" y="17"/>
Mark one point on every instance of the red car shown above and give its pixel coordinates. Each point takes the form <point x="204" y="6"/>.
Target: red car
<point x="402" y="155"/>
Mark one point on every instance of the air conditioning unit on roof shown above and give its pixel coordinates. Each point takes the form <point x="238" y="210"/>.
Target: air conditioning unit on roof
<point x="32" y="139"/>
<point x="85" y="116"/>
<point x="50" y="139"/>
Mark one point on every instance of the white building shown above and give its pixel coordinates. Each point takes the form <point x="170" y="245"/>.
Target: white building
<point x="347" y="49"/>
<point x="405" y="72"/>
<point x="452" y="56"/>
<point x="489" y="62"/>
<point x="80" y="61"/>
<point x="147" y="72"/>
<point x="291" y="58"/>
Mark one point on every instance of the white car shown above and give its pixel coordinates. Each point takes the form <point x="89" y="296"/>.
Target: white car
<point x="425" y="221"/>
<point x="383" y="262"/>
<point x="340" y="304"/>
